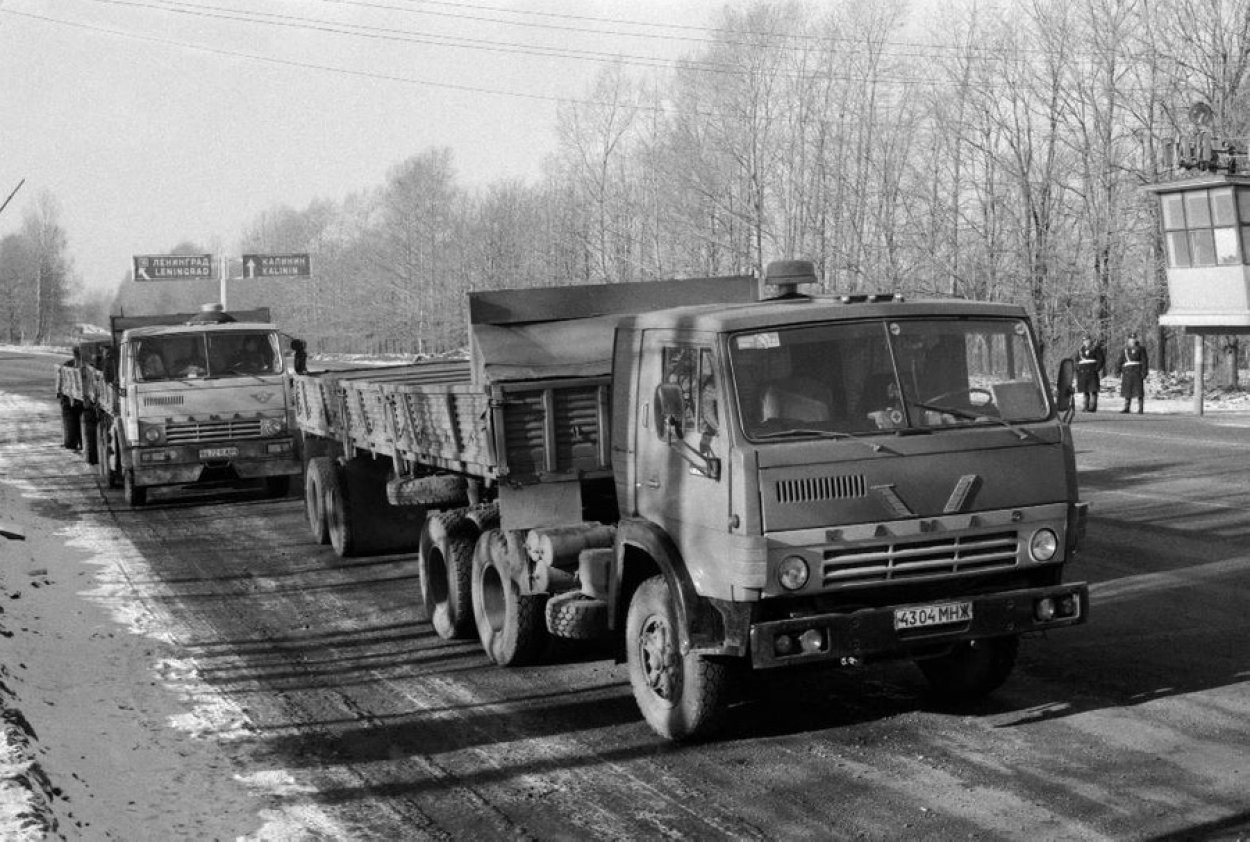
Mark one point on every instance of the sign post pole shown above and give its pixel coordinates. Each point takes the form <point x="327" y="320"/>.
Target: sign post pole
<point x="225" y="264"/>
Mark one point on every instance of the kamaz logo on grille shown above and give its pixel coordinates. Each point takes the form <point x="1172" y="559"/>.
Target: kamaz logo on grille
<point x="262" y="397"/>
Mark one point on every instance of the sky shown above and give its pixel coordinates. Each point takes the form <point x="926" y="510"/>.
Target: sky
<point x="155" y="122"/>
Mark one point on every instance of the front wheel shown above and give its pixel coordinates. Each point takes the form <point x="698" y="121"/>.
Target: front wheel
<point x="109" y="457"/>
<point x="682" y="697"/>
<point x="971" y="669"/>
<point x="136" y="495"/>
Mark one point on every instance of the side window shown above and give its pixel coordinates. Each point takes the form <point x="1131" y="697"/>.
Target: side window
<point x="692" y="370"/>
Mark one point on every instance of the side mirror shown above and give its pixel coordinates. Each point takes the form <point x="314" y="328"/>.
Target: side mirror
<point x="1063" y="383"/>
<point x="670" y="410"/>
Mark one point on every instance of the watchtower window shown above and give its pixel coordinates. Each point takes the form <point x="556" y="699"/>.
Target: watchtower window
<point x="1201" y="227"/>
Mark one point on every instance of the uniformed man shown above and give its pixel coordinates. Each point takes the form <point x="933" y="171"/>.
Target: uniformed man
<point x="1090" y="362"/>
<point x="1132" y="368"/>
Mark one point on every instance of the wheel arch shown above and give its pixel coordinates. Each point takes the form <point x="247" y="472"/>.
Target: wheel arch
<point x="644" y="550"/>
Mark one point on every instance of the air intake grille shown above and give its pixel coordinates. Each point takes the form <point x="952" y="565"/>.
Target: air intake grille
<point x="188" y="432"/>
<point x="920" y="558"/>
<point x="820" y="488"/>
<point x="163" y="400"/>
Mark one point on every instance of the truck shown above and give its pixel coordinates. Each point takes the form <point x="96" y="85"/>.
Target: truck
<point x="183" y="398"/>
<point x="717" y="475"/>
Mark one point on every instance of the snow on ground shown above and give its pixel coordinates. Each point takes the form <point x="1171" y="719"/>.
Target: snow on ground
<point x="134" y="597"/>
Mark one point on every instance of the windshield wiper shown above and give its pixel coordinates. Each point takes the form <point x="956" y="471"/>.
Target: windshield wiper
<point x="875" y="447"/>
<point x="1021" y="432"/>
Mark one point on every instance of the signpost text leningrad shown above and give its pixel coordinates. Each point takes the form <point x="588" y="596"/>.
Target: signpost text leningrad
<point x="172" y="267"/>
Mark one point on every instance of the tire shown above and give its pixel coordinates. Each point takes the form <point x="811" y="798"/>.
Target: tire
<point x="439" y="491"/>
<point x="71" y="426"/>
<point x="575" y="616"/>
<point x="486" y="516"/>
<point x="338" y="513"/>
<point x="90" y="444"/>
<point x="510" y="624"/>
<point x="277" y="487"/>
<point x="360" y="519"/>
<point x="972" y="669"/>
<point x="446" y="568"/>
<point x="109" y="460"/>
<point x="681" y="697"/>
<point x="136" y="495"/>
<point x="314" y="498"/>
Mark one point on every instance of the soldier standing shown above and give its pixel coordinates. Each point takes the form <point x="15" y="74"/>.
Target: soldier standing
<point x="1090" y="362"/>
<point x="1132" y="368"/>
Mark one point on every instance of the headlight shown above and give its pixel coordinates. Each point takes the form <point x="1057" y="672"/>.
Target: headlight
<point x="1043" y="545"/>
<point x="151" y="433"/>
<point x="792" y="573"/>
<point x="272" y="426"/>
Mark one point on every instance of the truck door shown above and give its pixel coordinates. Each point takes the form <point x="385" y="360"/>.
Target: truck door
<point x="675" y="489"/>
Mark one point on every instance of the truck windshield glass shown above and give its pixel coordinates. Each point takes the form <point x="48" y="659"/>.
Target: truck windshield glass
<point x="183" y="356"/>
<point x="865" y="377"/>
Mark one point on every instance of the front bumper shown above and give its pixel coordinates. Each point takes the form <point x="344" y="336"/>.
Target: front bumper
<point x="871" y="633"/>
<point x="186" y="464"/>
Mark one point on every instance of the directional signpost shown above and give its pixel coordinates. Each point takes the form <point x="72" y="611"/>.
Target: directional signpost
<point x="276" y="266"/>
<point x="172" y="267"/>
<point x="190" y="267"/>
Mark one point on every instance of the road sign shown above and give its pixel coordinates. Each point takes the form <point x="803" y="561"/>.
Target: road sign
<point x="172" y="267"/>
<point x="276" y="266"/>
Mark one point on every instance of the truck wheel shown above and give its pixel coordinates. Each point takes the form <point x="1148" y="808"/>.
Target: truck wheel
<point x="136" y="495"/>
<point x="681" y="697"/>
<point x="338" y="513"/>
<point x="314" y="498"/>
<point x="509" y="623"/>
<point x="972" y="669"/>
<point x="90" y="444"/>
<point x="71" y="426"/>
<point x="446" y="568"/>
<point x="485" y="515"/>
<point x="439" y="491"/>
<point x="575" y="616"/>
<point x="277" y="487"/>
<point x="109" y="458"/>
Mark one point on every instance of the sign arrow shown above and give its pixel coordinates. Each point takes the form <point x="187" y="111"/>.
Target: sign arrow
<point x="251" y="268"/>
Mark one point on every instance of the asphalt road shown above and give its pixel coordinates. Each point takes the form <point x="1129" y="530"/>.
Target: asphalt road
<point x="304" y="696"/>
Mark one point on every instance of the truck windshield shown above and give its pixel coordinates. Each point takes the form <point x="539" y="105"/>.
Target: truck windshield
<point x="180" y="356"/>
<point x="865" y="377"/>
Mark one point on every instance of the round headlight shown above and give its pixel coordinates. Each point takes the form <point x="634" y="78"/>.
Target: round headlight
<point x="272" y="426"/>
<point x="792" y="573"/>
<point x="1043" y="545"/>
<point x="152" y="434"/>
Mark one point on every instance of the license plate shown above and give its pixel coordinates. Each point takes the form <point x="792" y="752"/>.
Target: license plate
<point x="219" y="452"/>
<point x="932" y="615"/>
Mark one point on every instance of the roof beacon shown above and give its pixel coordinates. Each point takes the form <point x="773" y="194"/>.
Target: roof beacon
<point x="786" y="275"/>
<point x="212" y="313"/>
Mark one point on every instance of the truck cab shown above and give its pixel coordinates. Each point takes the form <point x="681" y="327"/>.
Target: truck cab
<point x="839" y="480"/>
<point x="201" y="400"/>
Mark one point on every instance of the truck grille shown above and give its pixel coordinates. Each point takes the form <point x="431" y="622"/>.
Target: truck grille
<point x="920" y="558"/>
<point x="189" y="432"/>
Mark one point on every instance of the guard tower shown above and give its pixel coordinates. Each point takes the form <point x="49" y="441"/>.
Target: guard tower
<point x="1206" y="230"/>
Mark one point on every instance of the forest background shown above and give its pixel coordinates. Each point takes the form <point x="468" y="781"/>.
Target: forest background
<point x="999" y="155"/>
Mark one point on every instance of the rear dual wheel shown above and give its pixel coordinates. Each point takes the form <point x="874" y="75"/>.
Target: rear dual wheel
<point x="109" y="457"/>
<point x="446" y="569"/>
<point x="315" y="479"/>
<point x="510" y="624"/>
